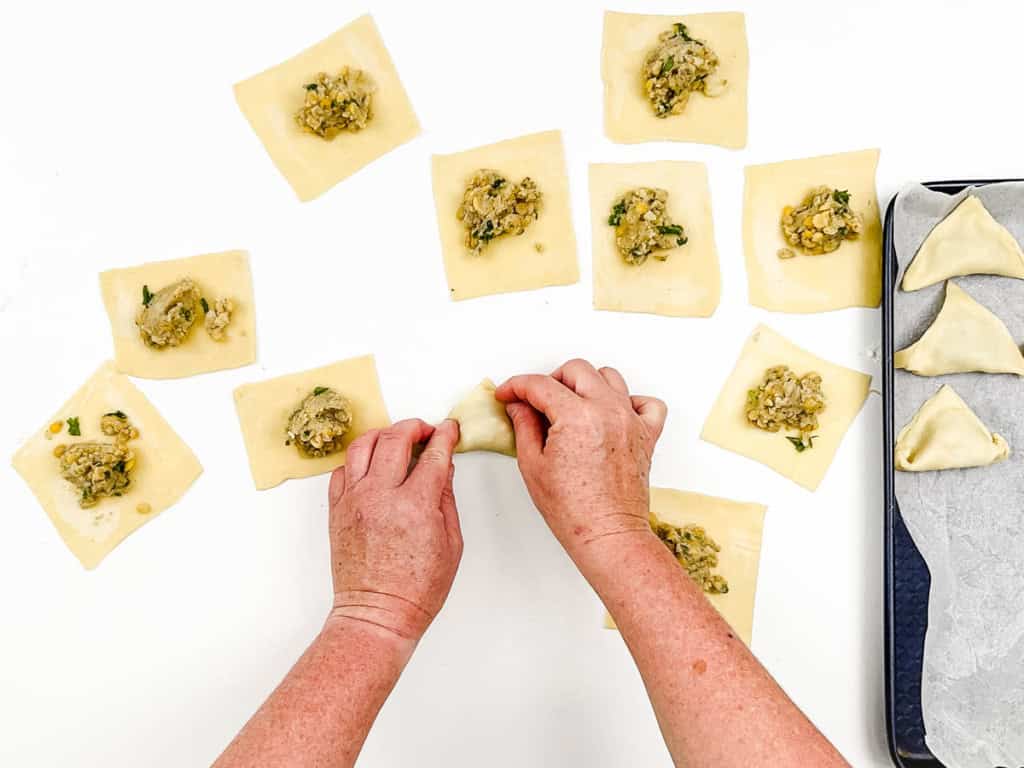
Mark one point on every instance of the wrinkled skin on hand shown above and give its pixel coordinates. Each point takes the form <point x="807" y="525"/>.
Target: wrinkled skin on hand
<point x="395" y="536"/>
<point x="584" y="447"/>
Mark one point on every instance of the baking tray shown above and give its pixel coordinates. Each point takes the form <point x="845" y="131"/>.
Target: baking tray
<point x="906" y="575"/>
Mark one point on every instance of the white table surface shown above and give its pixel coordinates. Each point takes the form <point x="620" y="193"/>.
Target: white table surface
<point x="121" y="143"/>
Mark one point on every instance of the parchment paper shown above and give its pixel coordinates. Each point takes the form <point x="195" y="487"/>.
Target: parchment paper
<point x="968" y="523"/>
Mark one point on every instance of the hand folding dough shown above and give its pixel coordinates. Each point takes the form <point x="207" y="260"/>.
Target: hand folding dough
<point x="967" y="242"/>
<point x="484" y="424"/>
<point x="946" y="434"/>
<point x="964" y="337"/>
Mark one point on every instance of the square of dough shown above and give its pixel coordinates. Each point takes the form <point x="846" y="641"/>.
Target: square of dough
<point x="688" y="283"/>
<point x="727" y="426"/>
<point x="736" y="527"/>
<point x="850" y="276"/>
<point x="265" y="407"/>
<point x="313" y="165"/>
<point x="628" y="115"/>
<point x="218" y="276"/>
<point x="164" y="468"/>
<point x="509" y="263"/>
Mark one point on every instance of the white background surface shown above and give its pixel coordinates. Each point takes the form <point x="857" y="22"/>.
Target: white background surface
<point x="121" y="143"/>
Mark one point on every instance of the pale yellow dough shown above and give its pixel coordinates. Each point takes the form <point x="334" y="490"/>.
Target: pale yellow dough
<point x="311" y="164"/>
<point x="964" y="337"/>
<point x="512" y="262"/>
<point x="484" y="424"/>
<point x="219" y="276"/>
<point x="967" y="242"/>
<point x="727" y="426"/>
<point x="736" y="526"/>
<point x="688" y="283"/>
<point x="164" y="470"/>
<point x="946" y="434"/>
<point x="264" y="408"/>
<point x="847" y="277"/>
<point x="628" y="115"/>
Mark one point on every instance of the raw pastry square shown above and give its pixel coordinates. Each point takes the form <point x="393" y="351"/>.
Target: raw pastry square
<point x="218" y="276"/>
<point x="727" y="426"/>
<point x="264" y="408"/>
<point x="736" y="526"/>
<point x="164" y="470"/>
<point x="628" y="115"/>
<point x="313" y="165"/>
<point x="688" y="283"/>
<point x="849" y="276"/>
<point x="512" y="262"/>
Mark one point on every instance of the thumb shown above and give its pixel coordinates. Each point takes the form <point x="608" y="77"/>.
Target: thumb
<point x="337" y="487"/>
<point x="652" y="413"/>
<point x="526" y="422"/>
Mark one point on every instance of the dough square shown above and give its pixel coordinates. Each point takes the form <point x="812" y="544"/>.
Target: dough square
<point x="218" y="276"/>
<point x="164" y="469"/>
<point x="850" y="276"/>
<point x="264" y="408"/>
<point x="509" y="263"/>
<point x="736" y="526"/>
<point x="688" y="283"/>
<point x="727" y="426"/>
<point x="313" y="165"/>
<point x="628" y="116"/>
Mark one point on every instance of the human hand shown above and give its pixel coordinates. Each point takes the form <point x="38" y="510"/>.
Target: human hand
<point x="584" y="447"/>
<point x="395" y="536"/>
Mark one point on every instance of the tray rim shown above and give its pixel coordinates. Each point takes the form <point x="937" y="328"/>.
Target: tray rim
<point x="890" y="272"/>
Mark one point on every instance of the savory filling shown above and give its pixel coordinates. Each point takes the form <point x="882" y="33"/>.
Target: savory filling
<point x="167" y="316"/>
<point x="493" y="206"/>
<point x="336" y="103"/>
<point x="116" y="425"/>
<point x="696" y="552"/>
<point x="783" y="401"/>
<point x="217" y="318"/>
<point x="820" y="223"/>
<point x="319" y="423"/>
<point x="678" y="66"/>
<point x="642" y="226"/>
<point x="97" y="470"/>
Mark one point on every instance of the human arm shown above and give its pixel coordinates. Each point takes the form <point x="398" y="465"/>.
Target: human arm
<point x="395" y="547"/>
<point x="584" y="447"/>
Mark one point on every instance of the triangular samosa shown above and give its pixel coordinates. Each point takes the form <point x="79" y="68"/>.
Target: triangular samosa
<point x="967" y="242"/>
<point x="483" y="423"/>
<point x="964" y="337"/>
<point x="946" y="434"/>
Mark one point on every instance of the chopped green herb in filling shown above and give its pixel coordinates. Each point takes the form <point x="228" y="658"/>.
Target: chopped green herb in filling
<point x="642" y="226"/>
<point x="696" y="552"/>
<point x="317" y="427"/>
<point x="783" y="401"/>
<point x="820" y="223"/>
<point x="336" y="103"/>
<point x="97" y="470"/>
<point x="167" y="318"/>
<point x="74" y="428"/>
<point x="678" y="66"/>
<point x="493" y="206"/>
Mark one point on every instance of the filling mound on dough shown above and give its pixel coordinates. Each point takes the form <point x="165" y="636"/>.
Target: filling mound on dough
<point x="678" y="66"/>
<point x="820" y="223"/>
<point x="319" y="424"/>
<point x="696" y="552"/>
<point x="167" y="316"/>
<point x="116" y="425"/>
<point x="336" y="103"/>
<point x="643" y="227"/>
<point x="493" y="206"/>
<point x="217" y="318"/>
<point x="97" y="470"/>
<point x="783" y="401"/>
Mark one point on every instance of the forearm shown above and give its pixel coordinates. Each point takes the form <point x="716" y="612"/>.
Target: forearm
<point x="716" y="705"/>
<point x="322" y="711"/>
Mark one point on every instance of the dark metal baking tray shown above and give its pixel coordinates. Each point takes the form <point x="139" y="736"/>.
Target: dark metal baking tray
<point x="906" y="575"/>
